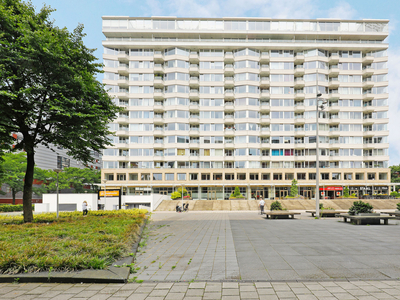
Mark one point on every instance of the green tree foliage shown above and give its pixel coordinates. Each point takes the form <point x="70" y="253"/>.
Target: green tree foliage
<point x="276" y="205"/>
<point x="395" y="175"/>
<point x="178" y="193"/>
<point x="346" y="192"/>
<point x="70" y="178"/>
<point x="360" y="207"/>
<point x="48" y="90"/>
<point x="293" y="188"/>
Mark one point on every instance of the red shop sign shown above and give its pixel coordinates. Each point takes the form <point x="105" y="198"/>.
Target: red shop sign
<point x="331" y="188"/>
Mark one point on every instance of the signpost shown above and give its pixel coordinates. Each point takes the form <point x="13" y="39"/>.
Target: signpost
<point x="111" y="193"/>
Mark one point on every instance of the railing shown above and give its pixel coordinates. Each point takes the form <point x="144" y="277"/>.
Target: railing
<point x="229" y="66"/>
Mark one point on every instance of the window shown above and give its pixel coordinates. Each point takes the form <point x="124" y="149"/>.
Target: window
<point x="121" y="177"/>
<point x="383" y="176"/>
<point x="109" y="176"/>
<point x="301" y="176"/>
<point x="336" y="176"/>
<point x="217" y="176"/>
<point x="348" y="176"/>
<point x="181" y="176"/>
<point x="230" y="176"/>
<point x="371" y="176"/>
<point x="325" y="176"/>
<point x="145" y="176"/>
<point x="194" y="176"/>
<point x="266" y="176"/>
<point x="241" y="176"/>
<point x="181" y="152"/>
<point x="253" y="176"/>
<point x="277" y="176"/>
<point x="133" y="176"/>
<point x="312" y="176"/>
<point x="359" y="176"/>
<point x="205" y="176"/>
<point x="169" y="176"/>
<point x="157" y="176"/>
<point x="289" y="176"/>
<point x="63" y="162"/>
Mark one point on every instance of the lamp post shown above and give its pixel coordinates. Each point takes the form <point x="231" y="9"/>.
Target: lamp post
<point x="105" y="191"/>
<point x="182" y="197"/>
<point x="319" y="94"/>
<point x="57" y="171"/>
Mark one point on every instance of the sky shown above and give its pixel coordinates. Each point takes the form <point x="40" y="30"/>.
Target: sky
<point x="89" y="12"/>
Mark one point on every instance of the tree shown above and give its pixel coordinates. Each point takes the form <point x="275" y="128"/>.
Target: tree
<point x="293" y="188"/>
<point x="395" y="175"/>
<point x="48" y="90"/>
<point x="14" y="167"/>
<point x="346" y="192"/>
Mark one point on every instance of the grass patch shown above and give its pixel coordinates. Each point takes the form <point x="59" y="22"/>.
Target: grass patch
<point x="72" y="242"/>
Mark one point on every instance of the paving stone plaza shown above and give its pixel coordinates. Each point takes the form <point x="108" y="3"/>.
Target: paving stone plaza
<point x="240" y="255"/>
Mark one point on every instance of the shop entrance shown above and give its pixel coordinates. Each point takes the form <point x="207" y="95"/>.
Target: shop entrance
<point x="283" y="193"/>
<point x="211" y="194"/>
<point x="354" y="192"/>
<point x="307" y="194"/>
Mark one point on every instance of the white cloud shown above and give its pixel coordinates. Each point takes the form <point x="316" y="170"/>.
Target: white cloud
<point x="394" y="106"/>
<point x="342" y="10"/>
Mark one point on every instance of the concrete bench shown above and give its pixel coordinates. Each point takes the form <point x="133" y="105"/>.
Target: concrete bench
<point x="279" y="214"/>
<point x="364" y="220"/>
<point x="326" y="212"/>
<point x="392" y="213"/>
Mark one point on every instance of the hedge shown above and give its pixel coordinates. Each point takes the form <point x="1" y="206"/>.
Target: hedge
<point x="10" y="207"/>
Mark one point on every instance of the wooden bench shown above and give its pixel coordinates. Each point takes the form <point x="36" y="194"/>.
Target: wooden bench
<point x="326" y="212"/>
<point x="279" y="214"/>
<point x="364" y="220"/>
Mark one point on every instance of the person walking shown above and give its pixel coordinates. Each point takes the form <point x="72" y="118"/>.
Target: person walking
<point x="261" y="204"/>
<point x="84" y="208"/>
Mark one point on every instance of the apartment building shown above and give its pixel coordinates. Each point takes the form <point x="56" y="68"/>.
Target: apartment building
<point x="211" y="104"/>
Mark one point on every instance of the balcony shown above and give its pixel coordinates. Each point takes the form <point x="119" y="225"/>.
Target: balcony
<point x="158" y="68"/>
<point x="299" y="120"/>
<point x="194" y="144"/>
<point x="194" y="119"/>
<point x="123" y="82"/>
<point x="229" y="95"/>
<point x="158" y="119"/>
<point x="265" y="94"/>
<point x="158" y="131"/>
<point x="158" y="106"/>
<point x="265" y="106"/>
<point x="368" y="121"/>
<point x="229" y="106"/>
<point x="229" y="70"/>
<point x="333" y="83"/>
<point x="367" y="60"/>
<point x="265" y="131"/>
<point x="123" y="119"/>
<point x="299" y="133"/>
<point x="299" y="107"/>
<point x="194" y="133"/>
<point x="194" y="82"/>
<point x="158" y="57"/>
<point x="368" y="84"/>
<point x="229" y="146"/>
<point x="123" y="69"/>
<point x="194" y="69"/>
<point x="229" y="131"/>
<point x="368" y="109"/>
<point x="334" y="95"/>
<point x="194" y="57"/>
<point x="264" y="82"/>
<point x="158" y="145"/>
<point x="229" y="82"/>
<point x="334" y="107"/>
<point x="334" y="71"/>
<point x="264" y="57"/>
<point x="299" y="59"/>
<point x="264" y="70"/>
<point x="265" y="119"/>
<point x="368" y="71"/>
<point x="299" y="70"/>
<point x="122" y="132"/>
<point x="158" y="94"/>
<point x="299" y="83"/>
<point x="194" y="95"/>
<point x="158" y="82"/>
<point x="299" y="95"/>
<point x="334" y="120"/>
<point x="229" y="119"/>
<point x="194" y="106"/>
<point x="334" y="59"/>
<point x="123" y="94"/>
<point x="123" y="56"/>
<point x="229" y="58"/>
<point x="367" y="96"/>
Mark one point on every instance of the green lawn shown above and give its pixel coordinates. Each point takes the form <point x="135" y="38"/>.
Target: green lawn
<point x="72" y="242"/>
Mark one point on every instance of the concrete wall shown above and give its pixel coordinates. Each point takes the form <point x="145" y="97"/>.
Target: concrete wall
<point x="50" y="201"/>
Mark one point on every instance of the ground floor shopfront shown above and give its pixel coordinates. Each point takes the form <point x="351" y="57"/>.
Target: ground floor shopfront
<point x="253" y="192"/>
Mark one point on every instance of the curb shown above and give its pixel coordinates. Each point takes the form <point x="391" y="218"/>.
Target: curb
<point x="110" y="275"/>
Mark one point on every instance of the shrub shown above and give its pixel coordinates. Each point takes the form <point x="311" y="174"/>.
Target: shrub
<point x="346" y="192"/>
<point x="394" y="194"/>
<point x="237" y="192"/>
<point x="398" y="206"/>
<point x="276" y="205"/>
<point x="176" y="195"/>
<point x="10" y="207"/>
<point x="360" y="207"/>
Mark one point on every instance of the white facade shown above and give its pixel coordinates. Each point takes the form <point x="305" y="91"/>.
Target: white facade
<point x="216" y="103"/>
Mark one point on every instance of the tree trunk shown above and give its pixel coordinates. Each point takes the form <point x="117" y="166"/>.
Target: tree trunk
<point x="27" y="194"/>
<point x="13" y="195"/>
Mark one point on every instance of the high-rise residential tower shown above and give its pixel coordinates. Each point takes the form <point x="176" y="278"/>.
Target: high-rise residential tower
<point x="212" y="104"/>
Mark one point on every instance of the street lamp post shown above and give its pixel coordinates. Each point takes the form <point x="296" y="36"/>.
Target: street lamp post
<point x="105" y="191"/>
<point x="57" y="171"/>
<point x="319" y="94"/>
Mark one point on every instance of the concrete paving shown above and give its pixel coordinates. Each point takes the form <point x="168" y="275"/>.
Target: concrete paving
<point x="241" y="255"/>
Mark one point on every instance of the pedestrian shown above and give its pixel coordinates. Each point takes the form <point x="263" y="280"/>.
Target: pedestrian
<point x="261" y="204"/>
<point x="84" y="208"/>
<point x="187" y="207"/>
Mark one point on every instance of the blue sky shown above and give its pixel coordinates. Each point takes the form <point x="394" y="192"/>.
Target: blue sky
<point x="89" y="12"/>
